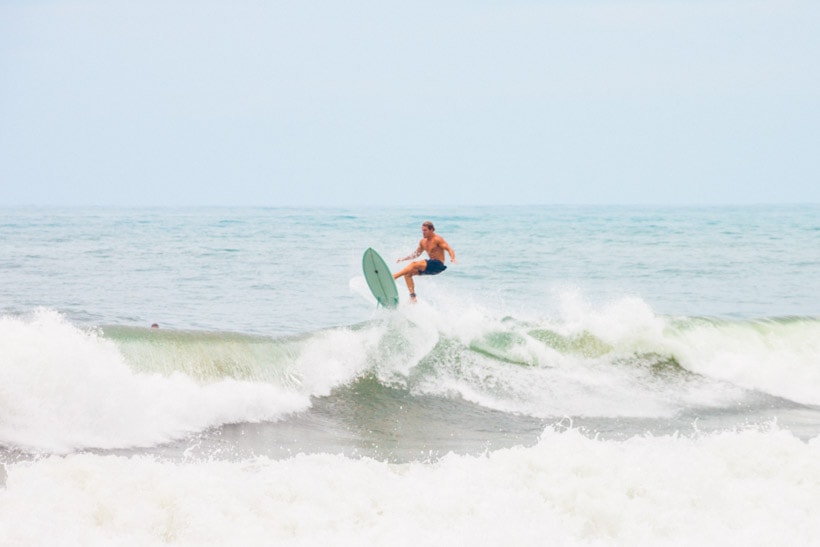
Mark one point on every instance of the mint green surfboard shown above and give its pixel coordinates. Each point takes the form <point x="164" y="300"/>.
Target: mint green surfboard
<point x="379" y="279"/>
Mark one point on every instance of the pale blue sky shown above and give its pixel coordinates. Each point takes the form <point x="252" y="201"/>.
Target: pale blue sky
<point x="409" y="103"/>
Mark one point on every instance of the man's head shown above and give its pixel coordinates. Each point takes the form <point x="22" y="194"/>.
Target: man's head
<point x="427" y="227"/>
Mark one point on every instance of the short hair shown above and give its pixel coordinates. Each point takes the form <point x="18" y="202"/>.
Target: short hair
<point x="429" y="225"/>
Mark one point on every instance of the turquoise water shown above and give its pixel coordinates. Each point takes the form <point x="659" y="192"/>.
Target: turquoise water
<point x="572" y="353"/>
<point x="288" y="271"/>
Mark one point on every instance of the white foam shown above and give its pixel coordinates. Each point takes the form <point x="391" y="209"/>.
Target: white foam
<point x="332" y="358"/>
<point x="63" y="388"/>
<point x="525" y="375"/>
<point x="751" y="487"/>
<point x="780" y="358"/>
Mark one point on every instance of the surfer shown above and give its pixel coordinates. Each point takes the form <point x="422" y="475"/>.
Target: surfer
<point x="434" y="245"/>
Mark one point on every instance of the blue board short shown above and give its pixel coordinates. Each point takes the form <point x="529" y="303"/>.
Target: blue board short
<point x="434" y="267"/>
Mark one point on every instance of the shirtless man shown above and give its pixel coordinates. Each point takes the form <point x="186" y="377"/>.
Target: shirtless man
<point x="434" y="245"/>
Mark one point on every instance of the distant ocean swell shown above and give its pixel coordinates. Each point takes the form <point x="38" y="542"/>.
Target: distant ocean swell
<point x="64" y="388"/>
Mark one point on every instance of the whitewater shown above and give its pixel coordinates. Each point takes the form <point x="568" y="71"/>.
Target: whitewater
<point x="583" y="376"/>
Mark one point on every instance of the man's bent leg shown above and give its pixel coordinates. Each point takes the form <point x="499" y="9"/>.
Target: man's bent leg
<point x="413" y="269"/>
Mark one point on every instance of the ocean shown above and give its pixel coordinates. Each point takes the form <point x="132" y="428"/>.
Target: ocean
<point x="624" y="375"/>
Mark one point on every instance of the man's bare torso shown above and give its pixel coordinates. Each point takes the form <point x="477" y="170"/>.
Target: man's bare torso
<point x="433" y="247"/>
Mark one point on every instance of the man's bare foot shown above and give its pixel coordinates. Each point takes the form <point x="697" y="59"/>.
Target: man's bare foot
<point x="413" y="297"/>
